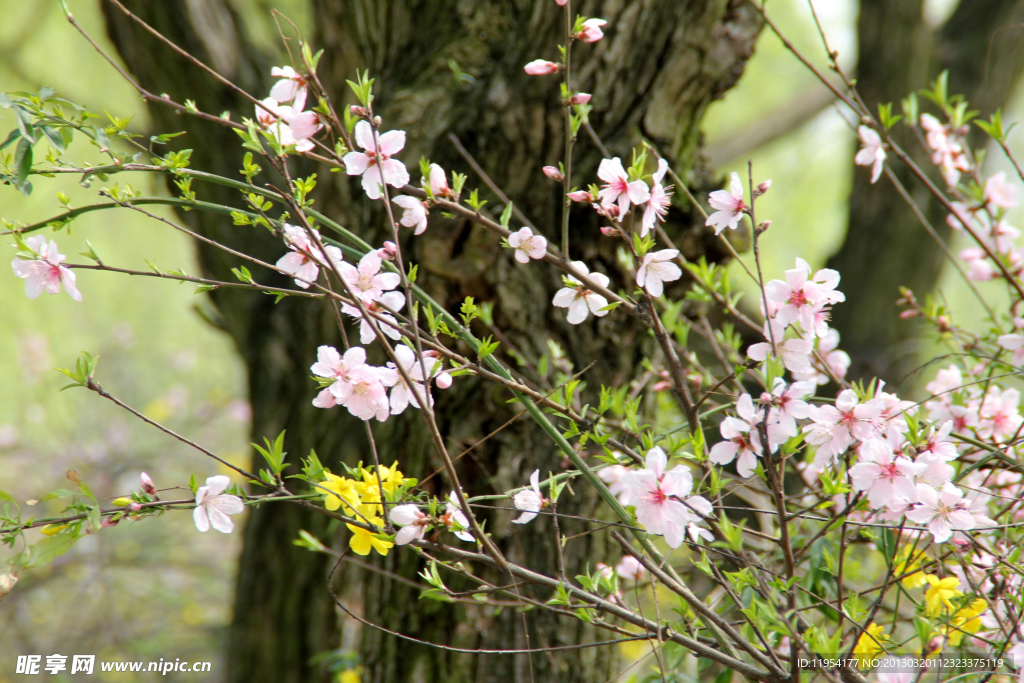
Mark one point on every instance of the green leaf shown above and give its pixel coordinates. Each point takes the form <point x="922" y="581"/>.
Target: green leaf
<point x="49" y="549"/>
<point x="506" y="215"/>
<point x="23" y="163"/>
<point x="54" y="137"/>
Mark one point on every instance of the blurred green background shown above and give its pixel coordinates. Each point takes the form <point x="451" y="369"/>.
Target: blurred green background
<point x="160" y="588"/>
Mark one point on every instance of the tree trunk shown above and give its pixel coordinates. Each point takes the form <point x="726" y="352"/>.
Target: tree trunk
<point x="885" y="245"/>
<point x="653" y="76"/>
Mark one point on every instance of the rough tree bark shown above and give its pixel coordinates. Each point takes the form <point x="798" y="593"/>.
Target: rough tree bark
<point x="898" y="54"/>
<point x="653" y="76"/>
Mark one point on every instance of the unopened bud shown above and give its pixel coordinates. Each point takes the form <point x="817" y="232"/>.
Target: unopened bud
<point x="663" y="385"/>
<point x="908" y="314"/>
<point x="121" y="502"/>
<point x="609" y="231"/>
<point x="943" y="322"/>
<point x="388" y="251"/>
<point x="134" y="507"/>
<point x="764" y="226"/>
<point x="147" y="484"/>
<point x="762" y="188"/>
<point x="580" y="196"/>
<point x="377" y="121"/>
<point x="553" y="173"/>
<point x="110" y="521"/>
<point x="356" y="110"/>
<point x="580" y="98"/>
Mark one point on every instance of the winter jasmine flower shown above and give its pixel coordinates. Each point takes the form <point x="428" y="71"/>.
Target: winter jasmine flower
<point x="44" y="273"/>
<point x="578" y="299"/>
<point x="656" y="269"/>
<point x="527" y="245"/>
<point x="530" y="501"/>
<point x="363" y="540"/>
<point x="729" y="206"/>
<point x="940" y="593"/>
<point x="213" y="506"/>
<point x="375" y="164"/>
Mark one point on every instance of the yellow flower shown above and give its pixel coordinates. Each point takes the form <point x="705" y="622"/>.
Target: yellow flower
<point x="52" y="529"/>
<point x="391" y="478"/>
<point x="351" y="675"/>
<point x="341" y="489"/>
<point x="363" y="541"/>
<point x="870" y="644"/>
<point x="967" y="620"/>
<point x="940" y="592"/>
<point x="904" y="566"/>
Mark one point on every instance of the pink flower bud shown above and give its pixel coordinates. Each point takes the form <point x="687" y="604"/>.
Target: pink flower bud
<point x="561" y="3"/>
<point x="356" y="110"/>
<point x="147" y="484"/>
<point x="909" y="313"/>
<point x="580" y="196"/>
<point x="553" y="173"/>
<point x="134" y="507"/>
<point x="388" y="251"/>
<point x="540" y="67"/>
<point x="580" y="98"/>
<point x="662" y="385"/>
<point x="763" y="187"/>
<point x="608" y="231"/>
<point x="591" y="32"/>
<point x="110" y="521"/>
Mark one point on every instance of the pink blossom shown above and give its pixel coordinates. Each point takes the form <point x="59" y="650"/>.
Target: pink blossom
<point x="941" y="511"/>
<point x="885" y="477"/>
<point x="656" y="269"/>
<point x="147" y="484"/>
<point x="998" y="417"/>
<point x="939" y="443"/>
<point x="801" y="298"/>
<point x="364" y="393"/>
<point x="657" y="205"/>
<point x="331" y="365"/>
<point x="837" y="362"/>
<point x="1013" y="342"/>
<point x="388" y="251"/>
<point x="561" y="3"/>
<point x="455" y="520"/>
<point x="45" y="272"/>
<point x="540" y="67"/>
<point x="414" y="213"/>
<point x="413" y="521"/>
<point x="591" y="32"/>
<point x="530" y="500"/>
<point x="794" y="353"/>
<point x="787" y="407"/>
<point x="289" y="125"/>
<point x="291" y="87"/>
<point x="527" y="245"/>
<point x="872" y="153"/>
<point x="835" y="428"/>
<point x="394" y="301"/>
<point x="630" y="568"/>
<point x="729" y="206"/>
<point x="741" y="440"/>
<point x="553" y="173"/>
<point x="366" y="281"/>
<point x="580" y="98"/>
<point x="661" y="498"/>
<point x="439" y="183"/>
<point x="612" y="475"/>
<point x="213" y="506"/>
<point x="376" y="160"/>
<point x="581" y="196"/>
<point x="578" y="299"/>
<point x="404" y="394"/>
<point x="618" y="189"/>
<point x="999" y="193"/>
<point x="302" y="262"/>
